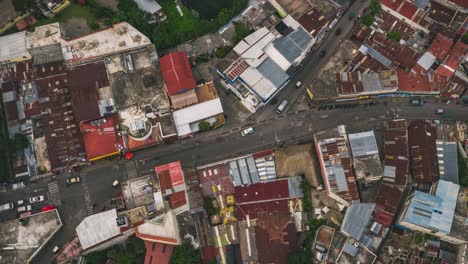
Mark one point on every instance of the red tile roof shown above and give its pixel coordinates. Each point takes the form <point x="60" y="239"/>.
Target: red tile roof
<point x="440" y="46"/>
<point x="252" y="209"/>
<point x="408" y="10"/>
<point x="171" y="177"/>
<point x="84" y="81"/>
<point x="262" y="191"/>
<point x="158" y="253"/>
<point x="101" y="137"/>
<point x="419" y="81"/>
<point x="208" y="253"/>
<point x="177" y="73"/>
<point x="462" y="3"/>
<point x="236" y="68"/>
<point x="387" y="202"/>
<point x="422" y="139"/>
<point x="11" y="111"/>
<point x="455" y="57"/>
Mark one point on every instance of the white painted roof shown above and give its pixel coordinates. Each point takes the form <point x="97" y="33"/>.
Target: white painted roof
<point x="251" y="47"/>
<point x="150" y="6"/>
<point x="97" y="228"/>
<point x="195" y="113"/>
<point x="162" y="226"/>
<point x="13" y="46"/>
<point x="277" y="57"/>
<point x="426" y="60"/>
<point x="261" y="85"/>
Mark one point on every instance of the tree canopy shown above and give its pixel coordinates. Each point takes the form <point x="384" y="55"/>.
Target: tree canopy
<point x="185" y="254"/>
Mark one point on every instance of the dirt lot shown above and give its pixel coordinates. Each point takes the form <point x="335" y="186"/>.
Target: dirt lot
<point x="7" y="12"/>
<point x="297" y="160"/>
<point x="325" y="82"/>
<point x="76" y="26"/>
<point x="295" y="7"/>
<point x="328" y="8"/>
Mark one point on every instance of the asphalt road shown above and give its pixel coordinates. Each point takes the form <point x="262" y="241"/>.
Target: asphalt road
<point x="312" y="64"/>
<point x="75" y="201"/>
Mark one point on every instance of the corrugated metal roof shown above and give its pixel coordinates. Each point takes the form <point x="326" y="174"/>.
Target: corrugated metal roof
<point x="363" y="144"/>
<point x="97" y="228"/>
<point x="294" y="44"/>
<point x="426" y="60"/>
<point x="368" y="50"/>
<point x="149" y="6"/>
<point x="195" y="113"/>
<point x="356" y="219"/>
<point x="177" y="73"/>
<point x="13" y="46"/>
<point x="258" y="83"/>
<point x="448" y="161"/>
<point x="434" y="211"/>
<point x="270" y="70"/>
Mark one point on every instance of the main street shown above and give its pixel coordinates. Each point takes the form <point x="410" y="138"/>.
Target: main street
<point x="96" y="187"/>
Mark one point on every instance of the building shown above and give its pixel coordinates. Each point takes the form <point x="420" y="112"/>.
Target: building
<point x="315" y="23"/>
<point x="102" y="137"/>
<point x="177" y="73"/>
<point x="151" y="7"/>
<point x="98" y="228"/>
<point x="21" y="243"/>
<point x="441" y="214"/>
<point x="358" y="83"/>
<point x="172" y="184"/>
<point x="423" y="154"/>
<point x="396" y="161"/>
<point x="366" y="160"/>
<point x="335" y="163"/>
<point x="387" y="203"/>
<point x="357" y="217"/>
<point x="448" y="161"/>
<point x="13" y="48"/>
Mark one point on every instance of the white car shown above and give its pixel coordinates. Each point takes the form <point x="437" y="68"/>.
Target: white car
<point x="36" y="199"/>
<point x="247" y="131"/>
<point x="17" y="186"/>
<point x="439" y="111"/>
<point x="298" y="84"/>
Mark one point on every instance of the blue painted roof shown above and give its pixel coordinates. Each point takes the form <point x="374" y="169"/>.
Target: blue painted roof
<point x="434" y="211"/>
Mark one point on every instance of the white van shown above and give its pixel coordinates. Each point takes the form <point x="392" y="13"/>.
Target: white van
<point x="24" y="208"/>
<point x="281" y="107"/>
<point x="6" y="207"/>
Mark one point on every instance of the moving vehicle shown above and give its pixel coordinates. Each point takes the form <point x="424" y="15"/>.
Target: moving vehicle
<point x="310" y="94"/>
<point x="17" y="186"/>
<point x="298" y="84"/>
<point x="322" y="53"/>
<point x="115" y="183"/>
<point x="247" y="131"/>
<point x="20" y="202"/>
<point x="439" y="111"/>
<point x="74" y="179"/>
<point x="23" y="209"/>
<point x="281" y="107"/>
<point x="417" y="102"/>
<point x="56" y="249"/>
<point x="36" y="199"/>
<point x="47" y="208"/>
<point x="6" y="207"/>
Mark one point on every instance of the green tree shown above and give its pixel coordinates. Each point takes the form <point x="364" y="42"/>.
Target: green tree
<point x="208" y="205"/>
<point x="204" y="126"/>
<point x="221" y="52"/>
<point x="394" y="35"/>
<point x="464" y="38"/>
<point x="300" y="257"/>
<point x="368" y="20"/>
<point x="241" y="31"/>
<point x="20" y="142"/>
<point x="185" y="254"/>
<point x="22" y="5"/>
<point x="96" y="257"/>
<point x="375" y="7"/>
<point x="306" y="201"/>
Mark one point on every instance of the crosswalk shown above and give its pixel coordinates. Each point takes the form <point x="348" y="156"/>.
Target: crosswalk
<point x="131" y="169"/>
<point x="54" y="193"/>
<point x="87" y="196"/>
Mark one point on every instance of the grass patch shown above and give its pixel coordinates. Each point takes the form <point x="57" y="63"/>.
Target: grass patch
<point x="71" y="11"/>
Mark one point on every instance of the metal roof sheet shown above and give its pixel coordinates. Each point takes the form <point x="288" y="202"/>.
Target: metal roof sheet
<point x="273" y="72"/>
<point x="363" y="144"/>
<point x="195" y="113"/>
<point x="294" y="44"/>
<point x="356" y="219"/>
<point x="149" y="6"/>
<point x="448" y="161"/>
<point x="97" y="228"/>
<point x="13" y="46"/>
<point x="426" y="60"/>
<point x="368" y="50"/>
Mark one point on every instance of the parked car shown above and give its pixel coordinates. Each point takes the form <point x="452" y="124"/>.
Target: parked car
<point x="247" y="131"/>
<point x="17" y="186"/>
<point x="298" y="84"/>
<point x="24" y="208"/>
<point x="73" y="179"/>
<point x="36" y="199"/>
<point x="322" y="53"/>
<point x="6" y="207"/>
<point x="20" y="202"/>
<point x="281" y="107"/>
<point x="115" y="183"/>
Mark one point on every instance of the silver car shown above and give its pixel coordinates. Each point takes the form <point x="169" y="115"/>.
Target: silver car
<point x="17" y="186"/>
<point x="36" y="199"/>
